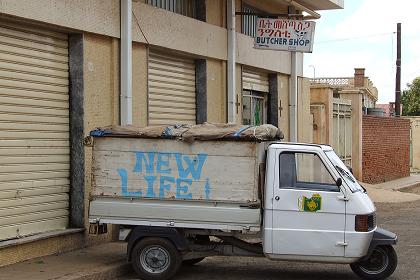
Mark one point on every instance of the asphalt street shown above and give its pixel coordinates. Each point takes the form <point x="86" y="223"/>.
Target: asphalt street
<point x="401" y="218"/>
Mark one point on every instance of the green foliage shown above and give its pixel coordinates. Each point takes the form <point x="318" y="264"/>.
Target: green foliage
<point x="410" y="99"/>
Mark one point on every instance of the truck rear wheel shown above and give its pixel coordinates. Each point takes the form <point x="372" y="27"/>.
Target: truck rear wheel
<point x="380" y="265"/>
<point x="155" y="259"/>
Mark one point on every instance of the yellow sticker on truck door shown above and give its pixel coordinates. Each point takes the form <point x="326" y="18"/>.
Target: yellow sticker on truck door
<point x="312" y="204"/>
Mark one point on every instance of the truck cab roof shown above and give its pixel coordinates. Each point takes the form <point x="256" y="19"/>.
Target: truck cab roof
<point x="279" y="145"/>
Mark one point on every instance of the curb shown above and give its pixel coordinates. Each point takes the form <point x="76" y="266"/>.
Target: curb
<point x="111" y="272"/>
<point x="407" y="188"/>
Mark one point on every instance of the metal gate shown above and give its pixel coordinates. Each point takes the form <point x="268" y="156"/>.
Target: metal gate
<point x="342" y="129"/>
<point x="171" y="83"/>
<point x="34" y="130"/>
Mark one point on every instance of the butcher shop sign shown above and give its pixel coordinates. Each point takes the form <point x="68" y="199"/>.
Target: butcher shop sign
<point x="285" y="35"/>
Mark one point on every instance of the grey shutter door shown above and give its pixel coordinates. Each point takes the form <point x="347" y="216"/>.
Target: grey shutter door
<point x="253" y="80"/>
<point x="171" y="85"/>
<point x="34" y="130"/>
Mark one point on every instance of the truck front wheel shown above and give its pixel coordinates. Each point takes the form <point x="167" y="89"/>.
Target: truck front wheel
<point x="380" y="265"/>
<point x="155" y="259"/>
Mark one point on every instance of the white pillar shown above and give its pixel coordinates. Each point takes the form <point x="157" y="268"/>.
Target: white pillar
<point x="231" y="63"/>
<point x="293" y="92"/>
<point x="126" y="114"/>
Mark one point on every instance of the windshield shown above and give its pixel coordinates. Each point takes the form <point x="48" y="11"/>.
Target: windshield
<point x="343" y="170"/>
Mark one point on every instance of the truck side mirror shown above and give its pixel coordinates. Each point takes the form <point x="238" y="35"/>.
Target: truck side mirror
<point x="339" y="182"/>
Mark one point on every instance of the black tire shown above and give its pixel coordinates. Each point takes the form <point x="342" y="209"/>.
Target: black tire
<point x="155" y="258"/>
<point x="192" y="261"/>
<point x="380" y="265"/>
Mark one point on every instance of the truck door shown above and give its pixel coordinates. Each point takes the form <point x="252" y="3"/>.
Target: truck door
<point x="308" y="214"/>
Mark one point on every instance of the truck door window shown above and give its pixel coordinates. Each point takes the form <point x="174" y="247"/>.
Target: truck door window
<point x="305" y="171"/>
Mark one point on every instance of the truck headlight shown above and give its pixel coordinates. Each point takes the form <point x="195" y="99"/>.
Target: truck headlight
<point x="365" y="223"/>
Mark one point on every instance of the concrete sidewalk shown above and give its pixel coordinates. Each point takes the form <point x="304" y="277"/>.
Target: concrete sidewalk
<point x="396" y="191"/>
<point x="106" y="261"/>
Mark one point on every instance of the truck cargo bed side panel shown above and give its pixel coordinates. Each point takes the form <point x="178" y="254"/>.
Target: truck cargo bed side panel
<point x="183" y="214"/>
<point x="174" y="170"/>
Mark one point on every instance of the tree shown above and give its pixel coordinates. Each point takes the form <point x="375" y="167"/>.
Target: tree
<point x="410" y="99"/>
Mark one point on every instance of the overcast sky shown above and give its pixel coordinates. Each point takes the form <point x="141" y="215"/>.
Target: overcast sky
<point x="363" y="35"/>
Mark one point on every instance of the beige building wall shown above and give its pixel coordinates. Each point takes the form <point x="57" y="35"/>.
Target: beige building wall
<point x="215" y="12"/>
<point x="139" y="85"/>
<point x="216" y="91"/>
<point x="356" y="117"/>
<point x="99" y="22"/>
<point x="283" y="97"/>
<point x="415" y="143"/>
<point x="304" y="119"/>
<point x="322" y="110"/>
<point x="322" y="98"/>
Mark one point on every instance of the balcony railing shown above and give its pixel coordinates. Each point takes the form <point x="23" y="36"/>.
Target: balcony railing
<point x="334" y="82"/>
<point x="346" y="83"/>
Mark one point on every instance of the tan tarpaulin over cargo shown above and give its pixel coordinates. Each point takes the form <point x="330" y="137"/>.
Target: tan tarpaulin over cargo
<point x="189" y="133"/>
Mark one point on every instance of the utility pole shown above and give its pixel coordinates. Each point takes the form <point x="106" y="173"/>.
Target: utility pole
<point x="398" y="74"/>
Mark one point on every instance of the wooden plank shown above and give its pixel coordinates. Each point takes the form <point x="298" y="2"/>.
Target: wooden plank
<point x="168" y="169"/>
<point x="226" y="148"/>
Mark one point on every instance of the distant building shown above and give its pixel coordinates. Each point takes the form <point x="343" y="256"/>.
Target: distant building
<point x="389" y="109"/>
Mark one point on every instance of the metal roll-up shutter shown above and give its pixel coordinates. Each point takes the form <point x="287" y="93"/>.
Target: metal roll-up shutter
<point x="34" y="130"/>
<point x="171" y="83"/>
<point x="252" y="80"/>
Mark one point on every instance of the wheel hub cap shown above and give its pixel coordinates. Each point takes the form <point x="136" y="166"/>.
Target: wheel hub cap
<point x="154" y="259"/>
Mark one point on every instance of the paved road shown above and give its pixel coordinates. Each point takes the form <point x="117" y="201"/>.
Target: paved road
<point x="402" y="218"/>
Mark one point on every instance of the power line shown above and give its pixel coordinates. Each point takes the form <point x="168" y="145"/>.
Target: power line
<point x="355" y="38"/>
<point x="141" y="30"/>
<point x="412" y="73"/>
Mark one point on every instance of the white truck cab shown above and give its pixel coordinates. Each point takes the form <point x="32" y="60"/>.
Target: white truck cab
<point x="181" y="202"/>
<point x="307" y="215"/>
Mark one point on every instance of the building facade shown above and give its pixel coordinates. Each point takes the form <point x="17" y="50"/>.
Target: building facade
<point x="338" y="105"/>
<point x="60" y="78"/>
